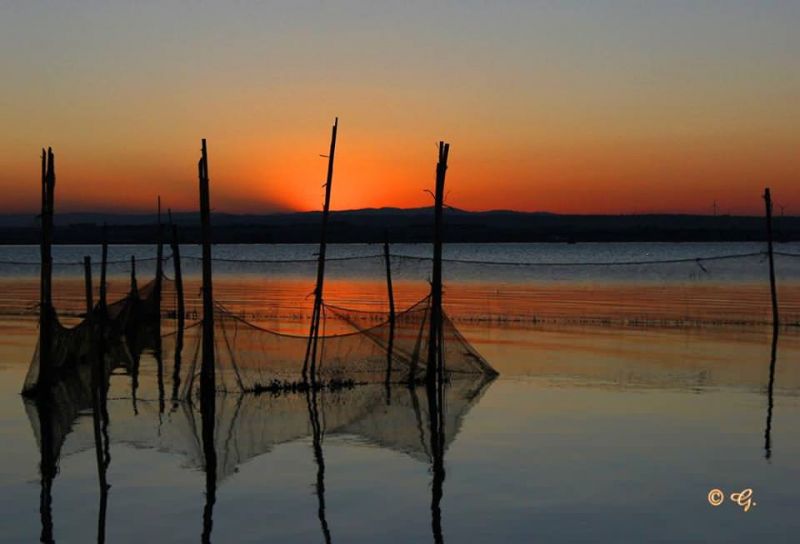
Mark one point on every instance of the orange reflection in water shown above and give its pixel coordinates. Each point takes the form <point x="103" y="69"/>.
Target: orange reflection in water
<point x="285" y="303"/>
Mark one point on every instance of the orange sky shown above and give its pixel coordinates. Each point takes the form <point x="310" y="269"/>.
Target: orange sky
<point x="572" y="108"/>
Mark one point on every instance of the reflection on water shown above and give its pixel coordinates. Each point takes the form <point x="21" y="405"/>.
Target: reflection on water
<point x="651" y="421"/>
<point x="592" y="433"/>
<point x="232" y="429"/>
<point x="773" y="360"/>
<point x="274" y="294"/>
<point x="283" y="304"/>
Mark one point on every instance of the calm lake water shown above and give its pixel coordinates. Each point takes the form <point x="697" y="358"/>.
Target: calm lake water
<point x="626" y="393"/>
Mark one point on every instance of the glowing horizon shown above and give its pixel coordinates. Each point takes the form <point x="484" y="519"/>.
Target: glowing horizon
<point x="605" y="108"/>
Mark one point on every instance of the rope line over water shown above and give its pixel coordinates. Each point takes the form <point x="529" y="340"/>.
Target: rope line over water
<point x="95" y="264"/>
<point x="286" y="261"/>
<point x="401" y="256"/>
<point x="590" y="263"/>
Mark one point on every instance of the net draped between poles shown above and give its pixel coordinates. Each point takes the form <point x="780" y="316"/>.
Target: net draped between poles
<point x="251" y="358"/>
<point x="248" y="426"/>
<point x="258" y="298"/>
<point x="129" y="325"/>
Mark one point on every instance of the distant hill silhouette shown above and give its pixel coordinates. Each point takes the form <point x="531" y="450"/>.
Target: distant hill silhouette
<point x="404" y="225"/>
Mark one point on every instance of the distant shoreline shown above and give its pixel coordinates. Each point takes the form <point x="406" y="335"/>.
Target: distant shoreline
<point x="406" y="226"/>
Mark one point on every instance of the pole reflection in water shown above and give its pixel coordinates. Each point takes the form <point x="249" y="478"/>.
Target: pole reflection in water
<point x="48" y="463"/>
<point x="157" y="354"/>
<point x="233" y="429"/>
<point x="211" y="475"/>
<point x="770" y="391"/>
<point x="316" y="435"/>
<point x="100" y="428"/>
<point x="436" y="423"/>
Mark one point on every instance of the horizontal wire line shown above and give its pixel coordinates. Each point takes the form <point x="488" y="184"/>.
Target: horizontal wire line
<point x="589" y="263"/>
<point x="400" y="256"/>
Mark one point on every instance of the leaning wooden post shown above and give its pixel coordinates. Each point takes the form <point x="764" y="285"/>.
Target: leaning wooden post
<point x="772" y="286"/>
<point x="87" y="282"/>
<point x="390" y="290"/>
<point x="207" y="369"/>
<point x="103" y="267"/>
<point x="435" y="370"/>
<point x="45" y="377"/>
<point x="313" y="334"/>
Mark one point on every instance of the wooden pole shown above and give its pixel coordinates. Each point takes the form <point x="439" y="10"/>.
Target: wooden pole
<point x="772" y="286"/>
<point x="44" y="323"/>
<point x="99" y="381"/>
<point x="387" y="258"/>
<point x="46" y="281"/>
<point x="207" y="372"/>
<point x="48" y="466"/>
<point x="134" y="284"/>
<point x="435" y="370"/>
<point x="159" y="257"/>
<point x="103" y="266"/>
<point x="434" y="377"/>
<point x="207" y="368"/>
<point x="390" y="290"/>
<point x="180" y="310"/>
<point x="87" y="281"/>
<point x="157" y="352"/>
<point x="176" y="263"/>
<point x="313" y="335"/>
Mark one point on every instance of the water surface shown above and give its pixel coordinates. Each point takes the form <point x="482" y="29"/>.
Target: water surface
<point x="596" y="431"/>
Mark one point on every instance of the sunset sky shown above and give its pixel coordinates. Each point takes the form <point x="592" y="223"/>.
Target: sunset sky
<point x="574" y="106"/>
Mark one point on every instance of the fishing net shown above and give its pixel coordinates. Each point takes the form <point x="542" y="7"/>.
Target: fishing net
<point x="263" y="304"/>
<point x="134" y="318"/>
<point x="378" y="349"/>
<point x="619" y="285"/>
<point x="652" y="285"/>
<point x="616" y="286"/>
<point x="247" y="426"/>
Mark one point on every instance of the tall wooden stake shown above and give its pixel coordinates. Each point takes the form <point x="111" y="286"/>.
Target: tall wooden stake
<point x="87" y="281"/>
<point x="390" y="290"/>
<point x="180" y="310"/>
<point x="207" y="368"/>
<point x="176" y="262"/>
<point x="772" y="286"/>
<point x="159" y="256"/>
<point x="99" y="383"/>
<point x="434" y="378"/>
<point x="313" y="334"/>
<point x="103" y="266"/>
<point x="46" y="281"/>
<point x="48" y="466"/>
<point x="435" y="364"/>
<point x="134" y="283"/>
<point x="207" y="372"/>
